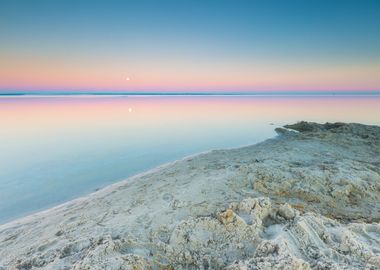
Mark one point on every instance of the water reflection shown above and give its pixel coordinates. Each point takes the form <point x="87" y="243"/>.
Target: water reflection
<point x="57" y="148"/>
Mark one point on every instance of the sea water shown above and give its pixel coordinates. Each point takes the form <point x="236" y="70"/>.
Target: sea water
<point x="57" y="148"/>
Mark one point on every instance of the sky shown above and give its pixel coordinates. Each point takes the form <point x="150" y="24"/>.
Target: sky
<point x="191" y="46"/>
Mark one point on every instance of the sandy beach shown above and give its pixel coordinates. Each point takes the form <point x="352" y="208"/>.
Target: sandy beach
<point x="306" y="199"/>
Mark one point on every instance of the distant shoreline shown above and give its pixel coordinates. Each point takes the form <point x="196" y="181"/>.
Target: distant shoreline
<point x="313" y="93"/>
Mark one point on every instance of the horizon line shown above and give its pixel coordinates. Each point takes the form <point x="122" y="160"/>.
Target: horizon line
<point x="180" y="93"/>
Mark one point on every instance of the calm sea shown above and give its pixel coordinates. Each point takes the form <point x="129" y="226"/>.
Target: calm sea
<point x="53" y="149"/>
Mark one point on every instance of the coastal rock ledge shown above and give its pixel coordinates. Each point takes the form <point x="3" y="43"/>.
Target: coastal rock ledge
<point x="306" y="199"/>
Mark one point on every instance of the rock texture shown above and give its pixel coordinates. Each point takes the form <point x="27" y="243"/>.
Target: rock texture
<point x="307" y="199"/>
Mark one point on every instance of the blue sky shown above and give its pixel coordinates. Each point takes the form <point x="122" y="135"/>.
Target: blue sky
<point x="189" y="45"/>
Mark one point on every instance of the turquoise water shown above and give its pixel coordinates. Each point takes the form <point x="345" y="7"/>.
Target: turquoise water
<point x="53" y="149"/>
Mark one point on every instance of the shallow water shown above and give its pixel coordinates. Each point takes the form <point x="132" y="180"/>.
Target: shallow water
<point x="53" y="149"/>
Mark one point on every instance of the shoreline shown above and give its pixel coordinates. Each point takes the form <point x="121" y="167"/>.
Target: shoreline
<point x="305" y="199"/>
<point x="98" y="191"/>
<point x="113" y="186"/>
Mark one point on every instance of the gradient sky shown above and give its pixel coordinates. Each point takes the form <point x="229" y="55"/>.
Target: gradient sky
<point x="198" y="45"/>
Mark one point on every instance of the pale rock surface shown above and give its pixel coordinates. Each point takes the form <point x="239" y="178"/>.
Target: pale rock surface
<point x="307" y="199"/>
